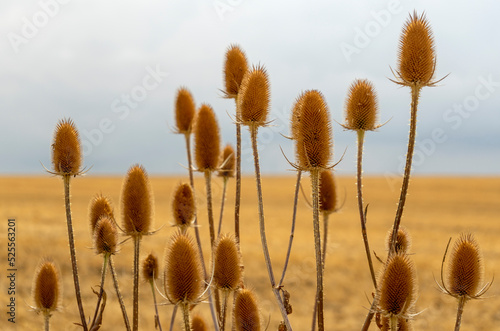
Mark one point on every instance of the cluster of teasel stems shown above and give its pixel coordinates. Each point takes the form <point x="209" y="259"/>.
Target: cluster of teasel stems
<point x="187" y="281"/>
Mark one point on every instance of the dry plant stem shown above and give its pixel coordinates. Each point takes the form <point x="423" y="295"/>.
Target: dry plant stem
<point x="460" y="310"/>
<point x="415" y="93"/>
<point x="237" y="198"/>
<point x="66" y="179"/>
<point x="172" y="319"/>
<point x="222" y="205"/>
<point x="185" y="313"/>
<point x="187" y="136"/>
<point x="157" y="316"/>
<point x="323" y="260"/>
<point x="369" y="316"/>
<point x="225" y="294"/>
<point x="292" y="230"/>
<point x="362" y="215"/>
<point x="394" y="323"/>
<point x="118" y="293"/>
<point x="317" y="246"/>
<point x="135" y="323"/>
<point x="103" y="276"/>
<point x="46" y="322"/>
<point x="262" y="226"/>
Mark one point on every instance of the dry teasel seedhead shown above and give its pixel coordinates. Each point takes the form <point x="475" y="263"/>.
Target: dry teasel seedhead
<point x="185" y="111"/>
<point x="403" y="240"/>
<point x="361" y="106"/>
<point x="137" y="202"/>
<point x="66" y="149"/>
<point x="183" y="206"/>
<point x="327" y="192"/>
<point x="150" y="267"/>
<point x="254" y="97"/>
<point x="227" y="162"/>
<point x="235" y="67"/>
<point x="295" y="116"/>
<point x="227" y="263"/>
<point x="99" y="206"/>
<point x="47" y="292"/>
<point x="105" y="236"/>
<point x="198" y="324"/>
<point x="183" y="275"/>
<point x="246" y="311"/>
<point x="206" y="139"/>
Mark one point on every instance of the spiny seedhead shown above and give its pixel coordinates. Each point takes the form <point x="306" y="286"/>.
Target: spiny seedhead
<point x="416" y="58"/>
<point x="254" y="97"/>
<point x="183" y="206"/>
<point x="313" y="132"/>
<point x="327" y="192"/>
<point x="235" y="67"/>
<point x="206" y="139"/>
<point x="227" y="162"/>
<point x="185" y="111"/>
<point x="198" y="324"/>
<point x="137" y="202"/>
<point x="150" y="267"/>
<point x="46" y="290"/>
<point x="105" y="236"/>
<point x="397" y="286"/>
<point x="403" y="240"/>
<point x="246" y="311"/>
<point x="66" y="149"/>
<point x="295" y="119"/>
<point x="227" y="264"/>
<point x="99" y="206"/>
<point x="183" y="275"/>
<point x="361" y="106"/>
<point x="465" y="268"/>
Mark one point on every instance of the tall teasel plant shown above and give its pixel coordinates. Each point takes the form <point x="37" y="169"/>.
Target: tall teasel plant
<point x="47" y="290"/>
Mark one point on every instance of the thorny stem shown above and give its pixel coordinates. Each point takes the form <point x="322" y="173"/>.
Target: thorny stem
<point x="225" y="179"/>
<point x="323" y="260"/>
<point x="187" y="136"/>
<point x="415" y="93"/>
<point x="185" y="313"/>
<point x="262" y="226"/>
<point x="118" y="293"/>
<point x="172" y="319"/>
<point x="46" y="323"/>
<point x="292" y="230"/>
<point x="103" y="276"/>
<point x="317" y="246"/>
<point x="237" y="198"/>
<point x="362" y="215"/>
<point x="157" y="316"/>
<point x="66" y="179"/>
<point x="137" y="240"/>
<point x="225" y="293"/>
<point x="460" y="310"/>
<point x="393" y="321"/>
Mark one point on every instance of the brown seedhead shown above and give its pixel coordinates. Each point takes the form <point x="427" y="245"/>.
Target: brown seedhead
<point x="185" y="111"/>
<point x="327" y="192"/>
<point x="227" y="162"/>
<point x="254" y="97"/>
<point x="47" y="287"/>
<point x="403" y="240"/>
<point x="206" y="139"/>
<point x="99" y="206"/>
<point x="246" y="311"/>
<point x="235" y="67"/>
<point x="105" y="236"/>
<point x="361" y="106"/>
<point x="66" y="149"/>
<point x="137" y="202"/>
<point x="198" y="324"/>
<point x="183" y="206"/>
<point x="150" y="267"/>
<point x="227" y="264"/>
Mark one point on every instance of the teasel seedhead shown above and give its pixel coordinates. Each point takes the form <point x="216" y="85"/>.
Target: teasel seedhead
<point x="183" y="275"/>
<point x="327" y="192"/>
<point x="254" y="97"/>
<point x="185" y="111"/>
<point x="465" y="270"/>
<point x="198" y="324"/>
<point x="66" y="149"/>
<point x="100" y="206"/>
<point x="246" y="311"/>
<point x="361" y="106"/>
<point x="416" y="56"/>
<point x="227" y="162"/>
<point x="312" y="132"/>
<point x="398" y="288"/>
<point x="150" y="268"/>
<point x="137" y="202"/>
<point x="403" y="240"/>
<point x="46" y="289"/>
<point x="206" y="139"/>
<point x="227" y="263"/>
<point x="295" y="119"/>
<point x="105" y="236"/>
<point x="183" y="206"/>
<point x="235" y="67"/>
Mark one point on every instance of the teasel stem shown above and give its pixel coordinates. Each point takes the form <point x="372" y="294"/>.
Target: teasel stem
<point x="262" y="226"/>
<point x="393" y="320"/>
<point x="225" y="294"/>
<point x="157" y="316"/>
<point x="317" y="246"/>
<point x="323" y="260"/>
<point x="292" y="230"/>
<point x="415" y="93"/>
<point x="172" y="319"/>
<point x="185" y="313"/>
<point x="187" y="136"/>
<point x="103" y="276"/>
<point x="225" y="179"/>
<point x="46" y="319"/>
<point x="118" y="293"/>
<point x="362" y="215"/>
<point x="137" y="241"/>
<point x="66" y="180"/>
<point x="237" y="198"/>
<point x="461" y="303"/>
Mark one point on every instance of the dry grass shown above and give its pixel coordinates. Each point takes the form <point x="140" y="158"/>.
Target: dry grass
<point x="437" y="208"/>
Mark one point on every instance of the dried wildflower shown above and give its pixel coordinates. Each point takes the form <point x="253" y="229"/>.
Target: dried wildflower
<point x="183" y="206"/>
<point x="47" y="287"/>
<point x="403" y="240"/>
<point x="227" y="264"/>
<point x="99" y="206"/>
<point x="254" y="97"/>
<point x="150" y="267"/>
<point x="246" y="311"/>
<point x="185" y="111"/>
<point x="105" y="236"/>
<point x="235" y="67"/>
<point x="66" y="149"/>
<point x="327" y="192"/>
<point x="206" y="139"/>
<point x="361" y="106"/>
<point x="227" y="162"/>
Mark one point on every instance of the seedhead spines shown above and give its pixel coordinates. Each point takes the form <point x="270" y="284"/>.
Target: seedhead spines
<point x="150" y="268"/>
<point x="227" y="162"/>
<point x="105" y="236"/>
<point x="235" y="67"/>
<point x="183" y="206"/>
<point x="66" y="149"/>
<point x="207" y="139"/>
<point x="47" y="287"/>
<point x="227" y="264"/>
<point x="100" y="206"/>
<point x="254" y="97"/>
<point x="185" y="111"/>
<point x="246" y="311"/>
<point x="361" y="106"/>
<point x="327" y="192"/>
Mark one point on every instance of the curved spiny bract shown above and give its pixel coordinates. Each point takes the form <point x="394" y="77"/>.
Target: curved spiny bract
<point x="227" y="263"/>
<point x="66" y="149"/>
<point x="185" y="111"/>
<point x="246" y="311"/>
<point x="137" y="202"/>
<point x="183" y="206"/>
<point x="206" y="139"/>
<point x="403" y="240"/>
<point x="327" y="192"/>
<point x="105" y="236"/>
<point x="361" y="106"/>
<point x="253" y="100"/>
<point x="99" y="206"/>
<point x="47" y="290"/>
<point x="227" y="162"/>
<point x="235" y="67"/>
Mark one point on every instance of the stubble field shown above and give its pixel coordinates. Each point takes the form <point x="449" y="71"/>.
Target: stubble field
<point x="437" y="208"/>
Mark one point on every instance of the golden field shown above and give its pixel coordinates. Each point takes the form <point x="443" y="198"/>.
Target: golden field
<point x="437" y="208"/>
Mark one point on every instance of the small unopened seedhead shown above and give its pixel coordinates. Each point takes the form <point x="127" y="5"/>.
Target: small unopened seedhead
<point x="227" y="162"/>
<point x="99" y="206"/>
<point x="206" y="139"/>
<point x="105" y="236"/>
<point x="403" y="240"/>
<point x="66" y="149"/>
<point x="246" y="311"/>
<point x="361" y="106"/>
<point x="47" y="287"/>
<point x="150" y="267"/>
<point x="185" y="111"/>
<point x="183" y="206"/>
<point x="327" y="192"/>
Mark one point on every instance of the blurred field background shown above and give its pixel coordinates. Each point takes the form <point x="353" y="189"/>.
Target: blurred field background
<point x="437" y="208"/>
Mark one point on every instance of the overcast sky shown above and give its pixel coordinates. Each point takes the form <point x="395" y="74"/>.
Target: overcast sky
<point x="114" y="68"/>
